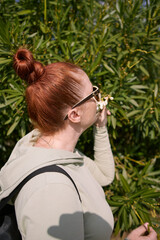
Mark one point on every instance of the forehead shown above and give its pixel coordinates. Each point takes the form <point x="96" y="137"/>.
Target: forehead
<point x="86" y="84"/>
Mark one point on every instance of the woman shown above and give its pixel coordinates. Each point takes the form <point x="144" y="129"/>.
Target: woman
<point x="62" y="104"/>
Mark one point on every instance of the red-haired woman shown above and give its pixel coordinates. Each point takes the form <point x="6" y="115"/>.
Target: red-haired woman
<point x="62" y="104"/>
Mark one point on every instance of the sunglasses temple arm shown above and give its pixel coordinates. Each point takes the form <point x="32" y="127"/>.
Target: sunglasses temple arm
<point x="84" y="100"/>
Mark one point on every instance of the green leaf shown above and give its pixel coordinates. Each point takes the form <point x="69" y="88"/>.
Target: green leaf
<point x="108" y="68"/>
<point x="144" y="114"/>
<point x="117" y="6"/>
<point x="86" y="8"/>
<point x="65" y="13"/>
<point x="118" y="198"/>
<point x="39" y="43"/>
<point x="96" y="62"/>
<point x="5" y="60"/>
<point x="133" y="102"/>
<point x="124" y="183"/>
<point x="143" y="216"/>
<point x="122" y="54"/>
<point x="9" y="102"/>
<point x="115" y="105"/>
<point x="117" y="227"/>
<point x="156" y="114"/>
<point x="13" y="126"/>
<point x="156" y="56"/>
<point x="114" y="121"/>
<point x="4" y="32"/>
<point x="62" y="47"/>
<point x="137" y="87"/>
<point x="154" y="173"/>
<point x="156" y="91"/>
<point x="43" y="28"/>
<point x="155" y="43"/>
<point x="151" y="181"/>
<point x="125" y="218"/>
<point x="24" y="12"/>
<point x="145" y="170"/>
<point x="23" y="128"/>
<point x="32" y="35"/>
<point x="138" y="193"/>
<point x="134" y="217"/>
<point x="132" y="113"/>
<point x="144" y="70"/>
<point x="73" y="27"/>
<point x="112" y="203"/>
<point x="100" y="73"/>
<point x="152" y="195"/>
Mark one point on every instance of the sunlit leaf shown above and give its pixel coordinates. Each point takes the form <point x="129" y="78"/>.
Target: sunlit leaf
<point x="144" y="70"/>
<point x="5" y="61"/>
<point x="132" y="113"/>
<point x="13" y="126"/>
<point x="24" y="12"/>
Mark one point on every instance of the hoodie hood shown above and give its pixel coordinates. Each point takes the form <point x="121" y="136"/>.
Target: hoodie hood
<point x="26" y="158"/>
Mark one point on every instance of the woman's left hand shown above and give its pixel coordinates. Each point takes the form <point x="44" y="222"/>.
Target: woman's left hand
<point x="102" y="117"/>
<point x="138" y="233"/>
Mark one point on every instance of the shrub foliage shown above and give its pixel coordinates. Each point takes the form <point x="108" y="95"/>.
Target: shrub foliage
<point x="117" y="43"/>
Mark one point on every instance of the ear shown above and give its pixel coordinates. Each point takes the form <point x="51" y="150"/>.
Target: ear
<point x="74" y="115"/>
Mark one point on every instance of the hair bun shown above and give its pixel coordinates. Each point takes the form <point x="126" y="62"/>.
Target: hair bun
<point x="26" y="67"/>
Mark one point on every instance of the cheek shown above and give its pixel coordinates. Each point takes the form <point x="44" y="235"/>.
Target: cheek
<point x="91" y="107"/>
<point x="94" y="106"/>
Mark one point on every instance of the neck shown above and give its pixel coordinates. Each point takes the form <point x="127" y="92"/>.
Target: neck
<point x="65" y="139"/>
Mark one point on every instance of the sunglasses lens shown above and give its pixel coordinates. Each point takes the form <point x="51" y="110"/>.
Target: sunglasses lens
<point x="96" y="94"/>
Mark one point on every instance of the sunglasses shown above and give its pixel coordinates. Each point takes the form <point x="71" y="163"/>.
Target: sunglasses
<point x="96" y="94"/>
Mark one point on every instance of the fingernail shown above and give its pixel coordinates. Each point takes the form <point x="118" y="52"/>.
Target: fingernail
<point x="146" y="226"/>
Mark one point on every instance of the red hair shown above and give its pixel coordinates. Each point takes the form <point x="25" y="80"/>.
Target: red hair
<point x="51" y="90"/>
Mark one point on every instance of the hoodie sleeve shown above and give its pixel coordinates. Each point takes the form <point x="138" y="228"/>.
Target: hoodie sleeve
<point x="103" y="167"/>
<point x="50" y="212"/>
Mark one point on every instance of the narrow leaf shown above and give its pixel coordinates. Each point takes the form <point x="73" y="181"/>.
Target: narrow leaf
<point x="24" y="12"/>
<point x="124" y="183"/>
<point x="156" y="90"/>
<point x="13" y="126"/>
<point x="144" y="70"/>
<point x="132" y="113"/>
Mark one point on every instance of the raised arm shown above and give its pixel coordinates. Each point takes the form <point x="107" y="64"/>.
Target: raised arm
<point x="102" y="168"/>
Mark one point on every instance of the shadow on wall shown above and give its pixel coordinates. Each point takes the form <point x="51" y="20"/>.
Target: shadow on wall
<point x="96" y="228"/>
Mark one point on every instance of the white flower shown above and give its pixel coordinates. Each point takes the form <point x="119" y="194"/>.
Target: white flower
<point x="101" y="104"/>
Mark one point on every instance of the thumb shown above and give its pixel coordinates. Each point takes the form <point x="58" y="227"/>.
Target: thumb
<point x="136" y="233"/>
<point x="142" y="229"/>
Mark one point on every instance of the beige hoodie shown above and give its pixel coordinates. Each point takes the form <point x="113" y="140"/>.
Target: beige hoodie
<point x="48" y="206"/>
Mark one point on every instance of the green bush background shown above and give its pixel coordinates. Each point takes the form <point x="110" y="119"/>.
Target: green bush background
<point x="117" y="43"/>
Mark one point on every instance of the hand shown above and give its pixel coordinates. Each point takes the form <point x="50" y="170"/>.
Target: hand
<point x="139" y="233"/>
<point x="102" y="118"/>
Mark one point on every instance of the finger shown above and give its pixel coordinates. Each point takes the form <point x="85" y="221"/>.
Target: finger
<point x="152" y="234"/>
<point x="141" y="230"/>
<point x="108" y="112"/>
<point x="103" y="112"/>
<point x="146" y="226"/>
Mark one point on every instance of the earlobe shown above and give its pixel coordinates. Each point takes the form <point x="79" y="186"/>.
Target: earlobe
<point x="74" y="115"/>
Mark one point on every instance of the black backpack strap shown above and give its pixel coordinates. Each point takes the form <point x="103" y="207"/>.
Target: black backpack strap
<point x="51" y="168"/>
